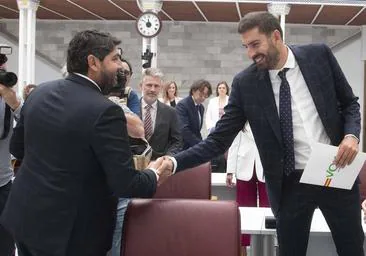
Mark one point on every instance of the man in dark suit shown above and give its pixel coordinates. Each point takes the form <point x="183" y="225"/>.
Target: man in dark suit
<point x="190" y="112"/>
<point x="292" y="96"/>
<point x="76" y="158"/>
<point x="160" y="120"/>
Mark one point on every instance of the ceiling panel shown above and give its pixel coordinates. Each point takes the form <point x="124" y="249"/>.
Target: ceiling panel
<point x="225" y="12"/>
<point x="184" y="11"/>
<point x="249" y="7"/>
<point x="104" y="9"/>
<point x="360" y="19"/>
<point x="337" y="15"/>
<point x="8" y="14"/>
<point x="67" y="9"/>
<point x="129" y="6"/>
<point x="47" y="15"/>
<point x="302" y="14"/>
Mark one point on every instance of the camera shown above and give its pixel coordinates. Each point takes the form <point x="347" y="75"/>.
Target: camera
<point x="147" y="56"/>
<point x="9" y="79"/>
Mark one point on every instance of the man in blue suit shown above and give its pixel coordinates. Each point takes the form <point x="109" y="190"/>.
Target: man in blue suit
<point x="190" y="112"/>
<point x="292" y="96"/>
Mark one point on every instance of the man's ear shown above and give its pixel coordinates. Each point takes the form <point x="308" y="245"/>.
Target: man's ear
<point x="93" y="63"/>
<point x="276" y="35"/>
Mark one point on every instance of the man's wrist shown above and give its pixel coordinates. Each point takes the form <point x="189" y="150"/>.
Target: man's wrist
<point x="174" y="162"/>
<point x="156" y="173"/>
<point x="352" y="136"/>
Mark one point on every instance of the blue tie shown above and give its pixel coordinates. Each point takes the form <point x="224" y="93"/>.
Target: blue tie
<point x="286" y="123"/>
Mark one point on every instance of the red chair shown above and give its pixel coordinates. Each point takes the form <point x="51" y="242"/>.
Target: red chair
<point x="181" y="228"/>
<point x="194" y="183"/>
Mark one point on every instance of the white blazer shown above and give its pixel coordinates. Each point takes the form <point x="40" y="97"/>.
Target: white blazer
<point x="242" y="156"/>
<point x="212" y="113"/>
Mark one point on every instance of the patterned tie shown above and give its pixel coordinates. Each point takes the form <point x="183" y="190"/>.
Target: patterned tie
<point x="148" y="122"/>
<point x="286" y="123"/>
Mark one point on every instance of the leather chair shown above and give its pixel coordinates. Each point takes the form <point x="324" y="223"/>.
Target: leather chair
<point x="184" y="227"/>
<point x="193" y="183"/>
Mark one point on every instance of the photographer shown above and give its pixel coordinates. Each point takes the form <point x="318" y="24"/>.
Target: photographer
<point x="10" y="107"/>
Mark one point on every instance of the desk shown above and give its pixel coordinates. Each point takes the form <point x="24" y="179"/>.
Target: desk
<point x="219" y="188"/>
<point x="262" y="239"/>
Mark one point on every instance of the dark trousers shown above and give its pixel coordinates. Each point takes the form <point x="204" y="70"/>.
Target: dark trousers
<point x="340" y="207"/>
<point x="6" y="240"/>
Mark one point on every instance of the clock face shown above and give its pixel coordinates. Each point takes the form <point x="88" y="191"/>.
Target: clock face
<point x="148" y="24"/>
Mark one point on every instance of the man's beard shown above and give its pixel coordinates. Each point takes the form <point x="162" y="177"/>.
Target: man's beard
<point x="106" y="82"/>
<point x="271" y="59"/>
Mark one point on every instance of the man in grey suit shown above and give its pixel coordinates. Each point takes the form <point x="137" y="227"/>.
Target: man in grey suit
<point x="160" y="120"/>
<point x="292" y="96"/>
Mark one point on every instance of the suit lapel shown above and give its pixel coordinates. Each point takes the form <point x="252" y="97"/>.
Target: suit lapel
<point x="311" y="81"/>
<point x="194" y="111"/>
<point x="266" y="96"/>
<point x="158" y="119"/>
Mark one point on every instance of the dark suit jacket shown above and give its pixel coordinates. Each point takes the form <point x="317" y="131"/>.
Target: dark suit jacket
<point x="166" y="139"/>
<point x="252" y="100"/>
<point x="75" y="151"/>
<point x="189" y="123"/>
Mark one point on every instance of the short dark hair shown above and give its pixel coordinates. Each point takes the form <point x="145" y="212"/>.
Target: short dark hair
<point x="226" y="85"/>
<point x="264" y="21"/>
<point x="85" y="43"/>
<point x="200" y="86"/>
<point x="128" y="64"/>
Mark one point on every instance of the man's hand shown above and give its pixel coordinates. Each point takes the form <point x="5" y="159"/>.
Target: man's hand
<point x="9" y="96"/>
<point x="229" y="180"/>
<point x="364" y="210"/>
<point x="165" y="170"/>
<point x="347" y="151"/>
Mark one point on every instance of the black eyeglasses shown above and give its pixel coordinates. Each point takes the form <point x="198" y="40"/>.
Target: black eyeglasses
<point x="126" y="72"/>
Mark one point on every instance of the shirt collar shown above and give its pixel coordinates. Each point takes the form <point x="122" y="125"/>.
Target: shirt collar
<point x="290" y="63"/>
<point x="195" y="102"/>
<point x="87" y="78"/>
<point x="143" y="104"/>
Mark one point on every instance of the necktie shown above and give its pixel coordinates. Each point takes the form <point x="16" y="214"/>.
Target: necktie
<point x="199" y="115"/>
<point x="148" y="122"/>
<point x="286" y="123"/>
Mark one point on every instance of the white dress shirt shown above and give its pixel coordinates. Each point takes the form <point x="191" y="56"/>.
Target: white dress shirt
<point x="307" y="126"/>
<point x="87" y="78"/>
<point x="153" y="112"/>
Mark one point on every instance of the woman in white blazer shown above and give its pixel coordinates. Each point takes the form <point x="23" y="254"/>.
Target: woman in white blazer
<point x="216" y="105"/>
<point x="170" y="94"/>
<point x="243" y="161"/>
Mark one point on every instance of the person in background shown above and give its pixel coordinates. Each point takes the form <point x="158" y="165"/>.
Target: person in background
<point x="170" y="94"/>
<point x="190" y="112"/>
<point x="215" y="111"/>
<point x="76" y="157"/>
<point x="10" y="106"/>
<point x="133" y="101"/>
<point x="244" y="162"/>
<point x="215" y="108"/>
<point x="27" y="90"/>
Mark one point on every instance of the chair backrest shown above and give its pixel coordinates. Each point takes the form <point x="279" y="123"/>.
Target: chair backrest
<point x="181" y="228"/>
<point x="193" y="183"/>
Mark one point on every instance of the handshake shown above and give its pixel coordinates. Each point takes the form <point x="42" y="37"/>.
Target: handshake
<point x="164" y="168"/>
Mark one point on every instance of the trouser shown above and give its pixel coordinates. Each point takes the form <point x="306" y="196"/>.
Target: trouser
<point x="247" y="193"/>
<point x="6" y="240"/>
<point x="341" y="210"/>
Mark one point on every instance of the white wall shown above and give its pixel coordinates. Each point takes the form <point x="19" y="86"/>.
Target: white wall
<point x="349" y="58"/>
<point x="44" y="71"/>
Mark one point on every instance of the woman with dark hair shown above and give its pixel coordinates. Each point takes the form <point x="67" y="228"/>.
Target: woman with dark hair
<point x="215" y="109"/>
<point x="170" y="94"/>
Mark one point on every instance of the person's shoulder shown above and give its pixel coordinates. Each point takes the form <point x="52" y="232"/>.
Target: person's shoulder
<point x="309" y="48"/>
<point x="249" y="73"/>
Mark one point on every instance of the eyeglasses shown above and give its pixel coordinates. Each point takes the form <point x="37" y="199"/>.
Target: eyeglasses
<point x="126" y="72"/>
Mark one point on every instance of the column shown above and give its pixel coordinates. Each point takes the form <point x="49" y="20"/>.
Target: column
<point x="26" y="58"/>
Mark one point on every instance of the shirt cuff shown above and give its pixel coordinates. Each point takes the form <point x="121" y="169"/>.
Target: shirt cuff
<point x="16" y="111"/>
<point x="354" y="136"/>
<point x="174" y="163"/>
<point x="156" y="173"/>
